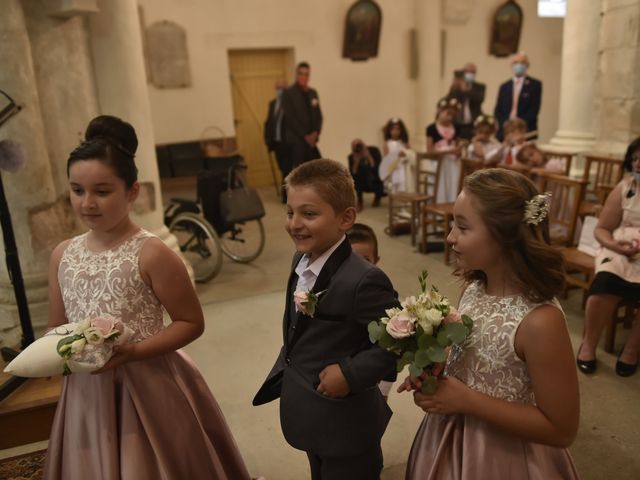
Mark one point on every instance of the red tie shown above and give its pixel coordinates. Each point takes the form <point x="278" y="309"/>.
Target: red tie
<point x="509" y="159"/>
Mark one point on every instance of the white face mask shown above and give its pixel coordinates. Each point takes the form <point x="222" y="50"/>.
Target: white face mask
<point x="519" y="69"/>
<point x="469" y="77"/>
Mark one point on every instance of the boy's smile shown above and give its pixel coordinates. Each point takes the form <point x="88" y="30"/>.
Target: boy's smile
<point x="312" y="223"/>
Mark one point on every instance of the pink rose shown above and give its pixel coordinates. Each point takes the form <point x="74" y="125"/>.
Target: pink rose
<point x="104" y="324"/>
<point x="453" y="317"/>
<point x="400" y="326"/>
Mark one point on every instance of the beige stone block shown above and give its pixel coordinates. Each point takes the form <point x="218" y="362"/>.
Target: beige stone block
<point x="146" y="201"/>
<point x="618" y="73"/>
<point x="51" y="223"/>
<point x="616" y="118"/>
<point x="621" y="27"/>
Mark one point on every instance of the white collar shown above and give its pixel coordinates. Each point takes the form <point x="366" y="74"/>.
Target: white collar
<point x="317" y="265"/>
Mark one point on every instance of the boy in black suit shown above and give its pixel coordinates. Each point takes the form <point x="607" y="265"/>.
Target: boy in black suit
<point x="327" y="372"/>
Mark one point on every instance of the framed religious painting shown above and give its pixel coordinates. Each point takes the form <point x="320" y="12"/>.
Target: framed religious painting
<point x="362" y="30"/>
<point x="505" y="30"/>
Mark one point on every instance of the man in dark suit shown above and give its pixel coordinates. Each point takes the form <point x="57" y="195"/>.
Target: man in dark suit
<point x="470" y="94"/>
<point x="302" y="117"/>
<point x="327" y="372"/>
<point x="519" y="97"/>
<point x="274" y="134"/>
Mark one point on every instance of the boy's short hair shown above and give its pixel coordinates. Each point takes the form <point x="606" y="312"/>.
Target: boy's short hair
<point x="361" y="233"/>
<point x="513" y="125"/>
<point x="330" y="179"/>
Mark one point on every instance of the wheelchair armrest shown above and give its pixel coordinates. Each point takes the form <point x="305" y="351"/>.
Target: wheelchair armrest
<point x="187" y="202"/>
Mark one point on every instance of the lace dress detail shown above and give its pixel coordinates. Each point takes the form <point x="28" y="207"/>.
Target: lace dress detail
<point x="488" y="362"/>
<point x="464" y="447"/>
<point x="109" y="283"/>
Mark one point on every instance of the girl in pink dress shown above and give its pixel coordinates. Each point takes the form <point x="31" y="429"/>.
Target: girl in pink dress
<point x="147" y="414"/>
<point x="508" y="404"/>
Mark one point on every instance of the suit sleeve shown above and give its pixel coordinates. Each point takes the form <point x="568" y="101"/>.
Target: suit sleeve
<point x="476" y="95"/>
<point x="536" y="99"/>
<point x="499" y="112"/>
<point x="373" y="296"/>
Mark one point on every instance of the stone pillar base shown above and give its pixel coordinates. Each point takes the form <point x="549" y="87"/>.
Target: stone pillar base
<point x="36" y="288"/>
<point x="565" y="140"/>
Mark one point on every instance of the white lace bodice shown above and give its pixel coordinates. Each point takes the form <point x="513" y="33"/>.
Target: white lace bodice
<point x="109" y="283"/>
<point x="488" y="362"/>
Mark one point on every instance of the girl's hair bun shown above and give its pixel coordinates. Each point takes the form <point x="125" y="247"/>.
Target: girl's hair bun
<point x="115" y="130"/>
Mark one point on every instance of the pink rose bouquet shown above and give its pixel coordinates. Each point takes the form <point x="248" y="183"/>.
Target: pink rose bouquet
<point x="91" y="343"/>
<point x="421" y="332"/>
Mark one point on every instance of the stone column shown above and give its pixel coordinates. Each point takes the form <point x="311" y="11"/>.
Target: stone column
<point x="578" y="79"/>
<point x="118" y="61"/>
<point x="30" y="192"/>
<point x="618" y="86"/>
<point x="428" y="89"/>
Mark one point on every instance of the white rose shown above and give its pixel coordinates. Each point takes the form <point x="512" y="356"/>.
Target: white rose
<point x="434" y="316"/>
<point x="81" y="327"/>
<point x="391" y="312"/>
<point x="409" y="302"/>
<point x="93" y="336"/>
<point x="78" y="345"/>
<point x="401" y="326"/>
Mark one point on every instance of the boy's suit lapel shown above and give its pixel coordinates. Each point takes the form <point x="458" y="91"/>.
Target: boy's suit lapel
<point x="332" y="265"/>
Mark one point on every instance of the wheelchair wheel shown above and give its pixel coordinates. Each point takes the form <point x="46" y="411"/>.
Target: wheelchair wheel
<point x="244" y="241"/>
<point x="199" y="243"/>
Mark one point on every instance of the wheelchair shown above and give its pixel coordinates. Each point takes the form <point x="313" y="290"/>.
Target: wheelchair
<point x="202" y="232"/>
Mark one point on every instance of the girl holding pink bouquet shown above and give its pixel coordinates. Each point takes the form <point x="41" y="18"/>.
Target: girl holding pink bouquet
<point x="147" y="414"/>
<point x="508" y="403"/>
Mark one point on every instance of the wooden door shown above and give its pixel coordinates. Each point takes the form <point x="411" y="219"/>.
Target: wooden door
<point x="253" y="75"/>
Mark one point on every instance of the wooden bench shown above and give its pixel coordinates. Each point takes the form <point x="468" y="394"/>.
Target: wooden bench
<point x="26" y="415"/>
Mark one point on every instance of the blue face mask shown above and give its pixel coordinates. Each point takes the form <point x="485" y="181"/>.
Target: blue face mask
<point x="279" y="92"/>
<point x="519" y="69"/>
<point x="636" y="175"/>
<point x="469" y="77"/>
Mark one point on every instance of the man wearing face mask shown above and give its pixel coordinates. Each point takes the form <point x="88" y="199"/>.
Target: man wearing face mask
<point x="274" y="133"/>
<point x="519" y="97"/>
<point x="470" y="95"/>
<point x="302" y="117"/>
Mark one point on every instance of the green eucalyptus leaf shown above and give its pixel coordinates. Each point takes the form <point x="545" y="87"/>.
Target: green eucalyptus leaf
<point x="422" y="359"/>
<point x="374" y="331"/>
<point x="457" y="332"/>
<point x="443" y="338"/>
<point x="414" y="370"/>
<point x="430" y="385"/>
<point x="426" y="341"/>
<point x="436" y="354"/>
<point x="467" y="321"/>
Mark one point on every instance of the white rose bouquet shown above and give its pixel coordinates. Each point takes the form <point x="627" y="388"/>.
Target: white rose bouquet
<point x="421" y="332"/>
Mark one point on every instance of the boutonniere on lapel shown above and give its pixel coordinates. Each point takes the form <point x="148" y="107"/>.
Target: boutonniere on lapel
<point x="314" y="102"/>
<point x="306" y="302"/>
<point x="526" y="81"/>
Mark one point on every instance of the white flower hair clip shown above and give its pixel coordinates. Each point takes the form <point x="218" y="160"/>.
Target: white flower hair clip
<point x="537" y="209"/>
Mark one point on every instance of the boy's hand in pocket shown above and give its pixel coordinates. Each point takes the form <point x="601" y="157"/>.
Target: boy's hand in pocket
<point x="332" y="382"/>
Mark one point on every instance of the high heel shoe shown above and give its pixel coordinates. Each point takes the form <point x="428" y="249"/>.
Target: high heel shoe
<point x="625" y="369"/>
<point x="586" y="366"/>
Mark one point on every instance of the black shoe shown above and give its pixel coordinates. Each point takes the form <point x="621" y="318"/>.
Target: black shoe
<point x="625" y="369"/>
<point x="586" y="366"/>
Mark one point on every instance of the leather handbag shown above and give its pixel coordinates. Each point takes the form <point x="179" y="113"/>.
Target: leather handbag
<point x="241" y="203"/>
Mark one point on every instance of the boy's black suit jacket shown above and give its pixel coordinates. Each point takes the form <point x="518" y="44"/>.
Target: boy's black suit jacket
<point x="356" y="293"/>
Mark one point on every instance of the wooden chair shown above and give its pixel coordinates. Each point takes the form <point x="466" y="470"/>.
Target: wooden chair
<point x="567" y="194"/>
<point x="602" y="173"/>
<point x="580" y="261"/>
<point x="427" y="177"/>
<point x="437" y="218"/>
<point x="566" y="156"/>
<point x="627" y="311"/>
